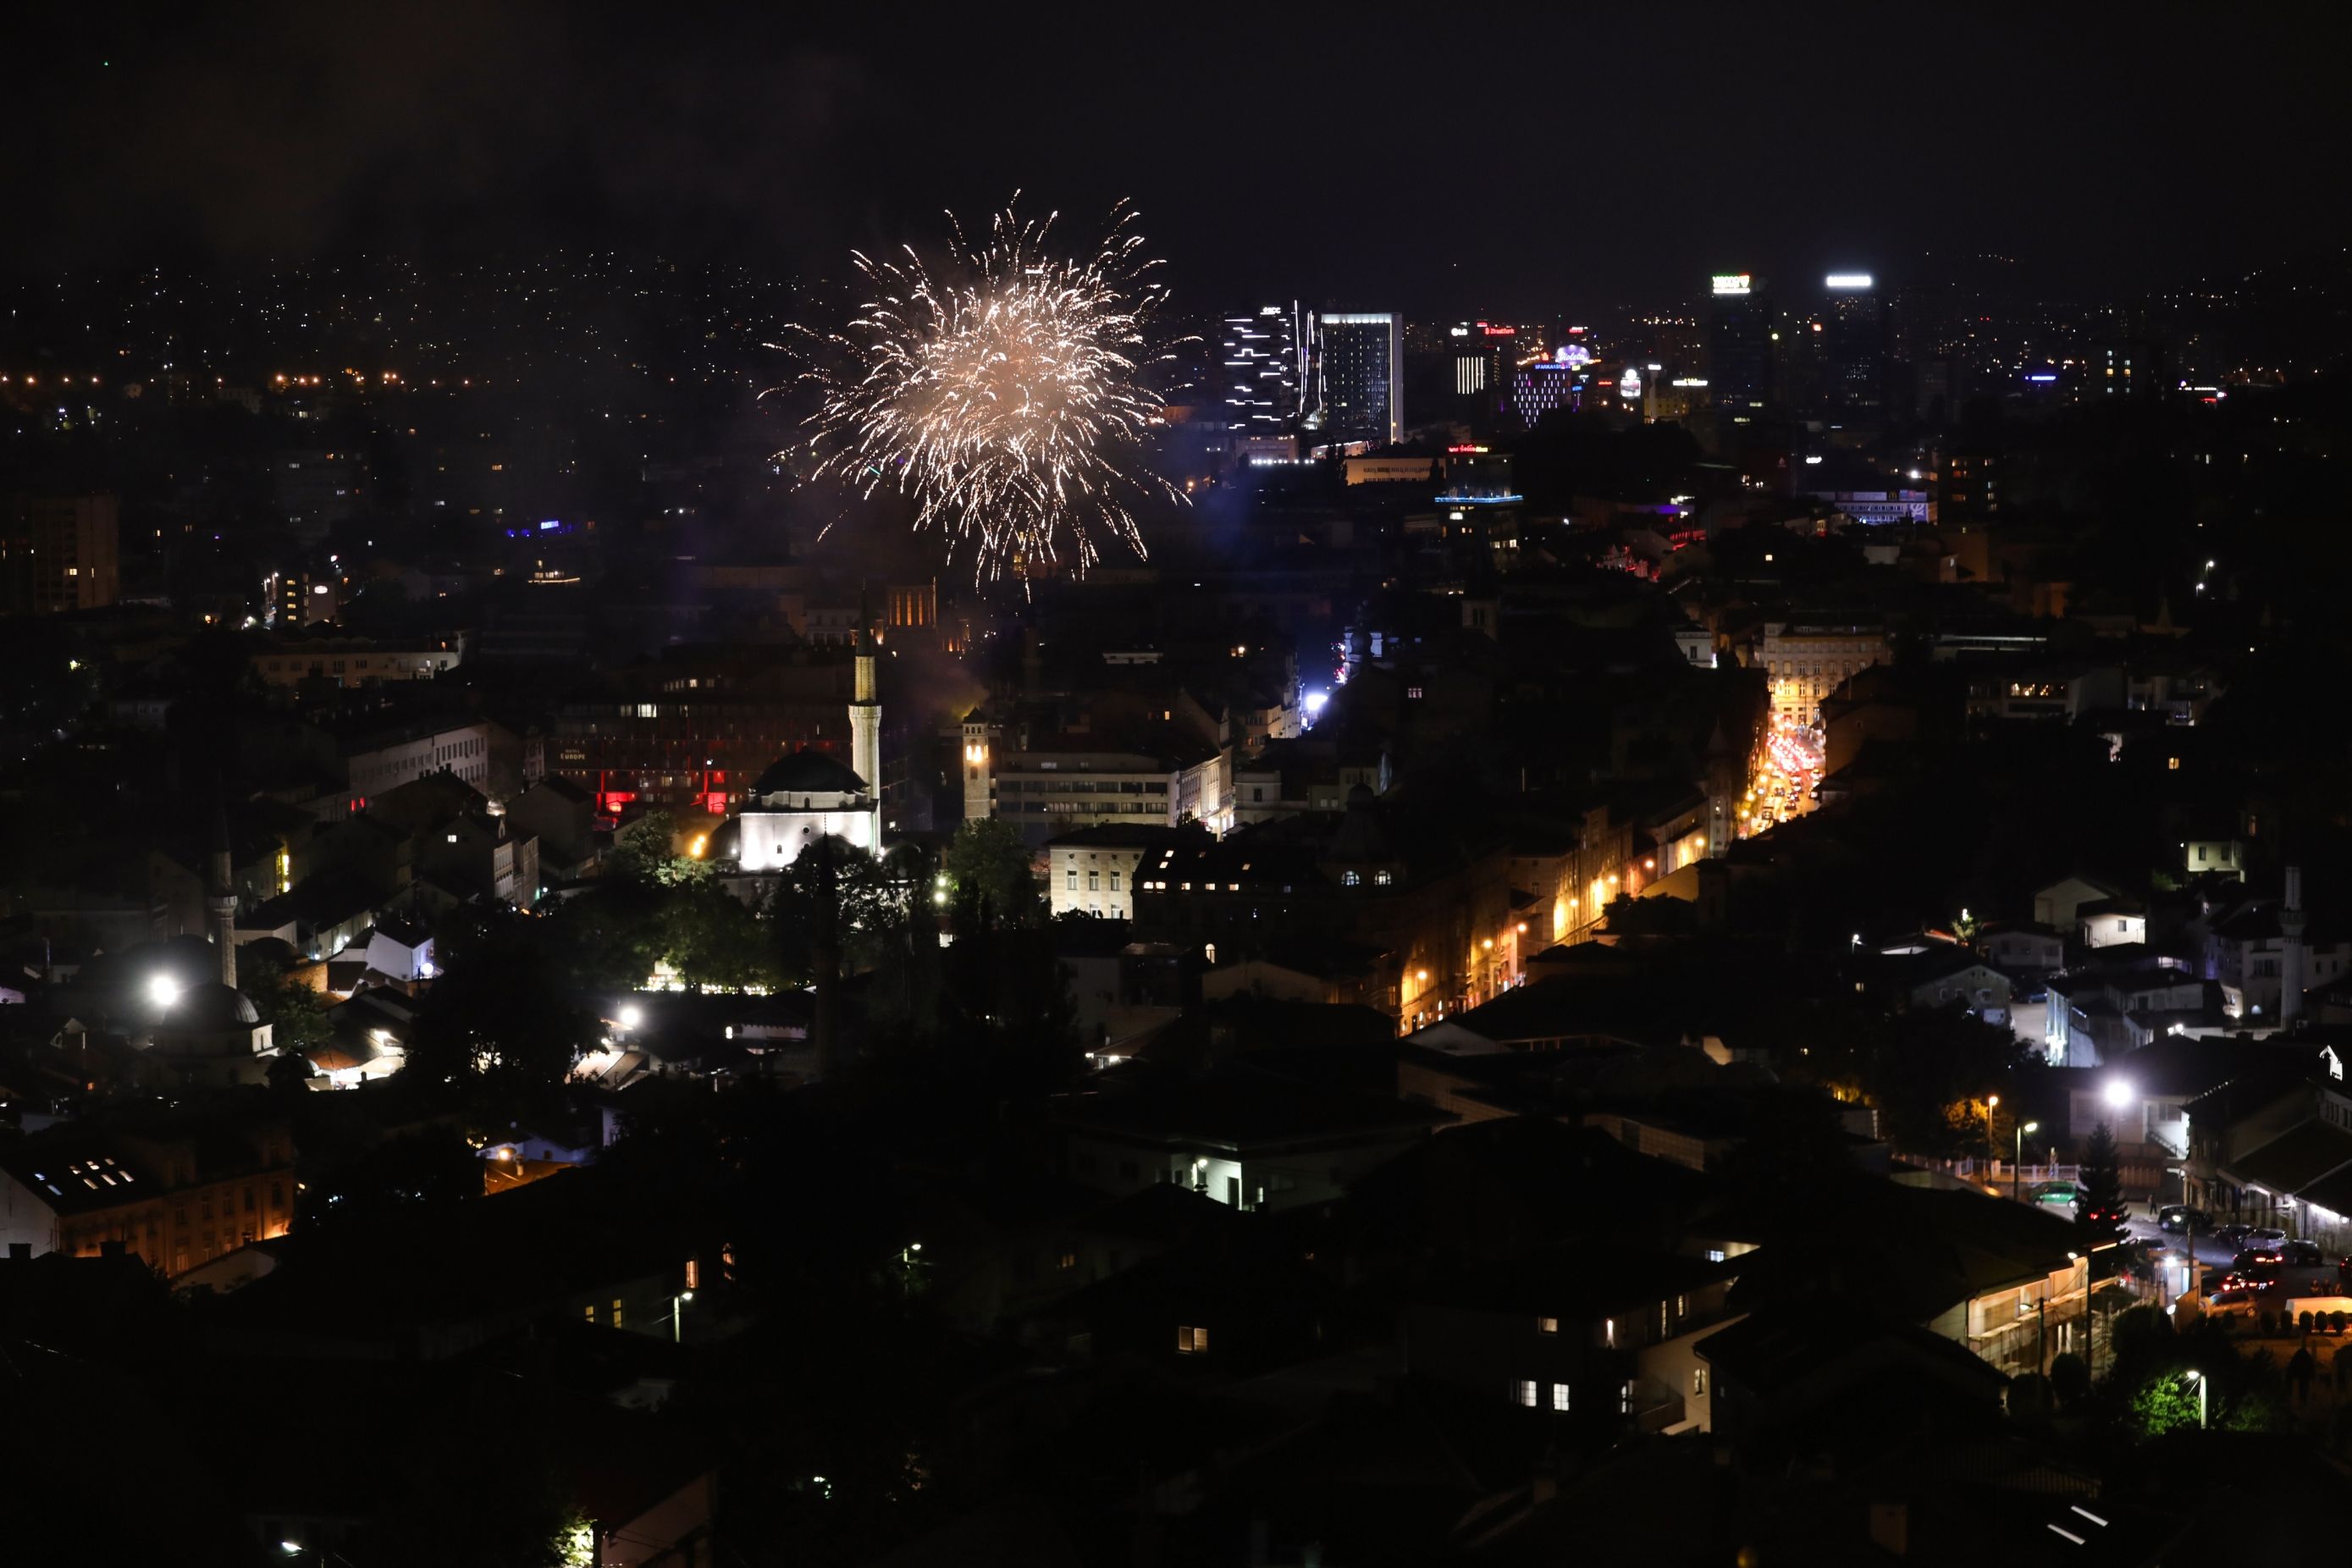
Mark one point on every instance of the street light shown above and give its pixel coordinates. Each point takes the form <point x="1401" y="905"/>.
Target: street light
<point x="2016" y="1166"/>
<point x="632" y="1016"/>
<point x="677" y="1324"/>
<point x="2199" y="1378"/>
<point x="162" y="990"/>
<point x="2118" y="1092"/>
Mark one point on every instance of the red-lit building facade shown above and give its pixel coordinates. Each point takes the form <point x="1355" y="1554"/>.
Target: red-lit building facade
<point x="691" y="731"/>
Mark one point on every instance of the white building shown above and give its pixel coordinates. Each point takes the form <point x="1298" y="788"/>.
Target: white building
<point x="383" y="761"/>
<point x="1092" y="871"/>
<point x="1806" y="661"/>
<point x="800" y="799"/>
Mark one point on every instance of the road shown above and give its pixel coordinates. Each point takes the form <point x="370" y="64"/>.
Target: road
<point x="2304" y="1279"/>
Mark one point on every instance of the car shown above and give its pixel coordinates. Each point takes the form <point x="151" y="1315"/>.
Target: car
<point x="2236" y="1287"/>
<point x="2257" y="1257"/>
<point x="2053" y="1191"/>
<point x="2300" y="1254"/>
<point x="2181" y="1216"/>
<point x="2231" y="1235"/>
<point x="2101" y="1219"/>
<point x="2267" y="1237"/>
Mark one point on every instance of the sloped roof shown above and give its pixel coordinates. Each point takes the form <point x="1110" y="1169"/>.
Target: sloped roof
<point x="809" y="771"/>
<point x="2295" y="1159"/>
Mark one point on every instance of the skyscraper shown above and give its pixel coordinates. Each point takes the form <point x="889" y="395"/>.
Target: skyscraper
<point x="1359" y="364"/>
<point x="1739" y="346"/>
<point x="1853" y="355"/>
<point x="1264" y="367"/>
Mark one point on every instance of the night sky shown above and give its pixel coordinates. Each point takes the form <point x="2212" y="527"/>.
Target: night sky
<point x="1436" y="157"/>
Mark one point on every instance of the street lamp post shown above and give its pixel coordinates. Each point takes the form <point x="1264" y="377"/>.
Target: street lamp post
<point x="2016" y="1173"/>
<point x="2199" y="1378"/>
<point x="677" y="1318"/>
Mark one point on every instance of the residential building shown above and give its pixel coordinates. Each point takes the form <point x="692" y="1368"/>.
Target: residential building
<point x="1249" y="1138"/>
<point x="352" y="661"/>
<point x="59" y="553"/>
<point x="1093" y="871"/>
<point x="1551" y="1331"/>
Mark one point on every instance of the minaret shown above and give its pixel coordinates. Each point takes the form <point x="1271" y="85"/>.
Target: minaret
<point x="865" y="738"/>
<point x="220" y="900"/>
<point x="2291" y="953"/>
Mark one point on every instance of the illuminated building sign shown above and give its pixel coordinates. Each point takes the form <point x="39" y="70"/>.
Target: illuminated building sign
<point x="1498" y="331"/>
<point x="1574" y="356"/>
<point x="1630" y="388"/>
<point x="1732" y="282"/>
<point x="1846" y="281"/>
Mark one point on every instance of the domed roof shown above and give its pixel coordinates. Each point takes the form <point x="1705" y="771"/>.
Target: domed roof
<point x="808" y="772"/>
<point x="212" y="1006"/>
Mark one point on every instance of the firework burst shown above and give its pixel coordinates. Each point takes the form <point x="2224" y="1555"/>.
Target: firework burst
<point x="1000" y="393"/>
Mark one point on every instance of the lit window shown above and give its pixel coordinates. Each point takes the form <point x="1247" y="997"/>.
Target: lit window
<point x="1523" y="1392"/>
<point x="1625" y="1399"/>
<point x="1382" y="879"/>
<point x="1351" y="879"/>
<point x="1559" y="1396"/>
<point x="1192" y="1340"/>
<point x="1069" y="1261"/>
<point x="1698" y="1382"/>
<point x="1546" y="1325"/>
<point x="616" y="1312"/>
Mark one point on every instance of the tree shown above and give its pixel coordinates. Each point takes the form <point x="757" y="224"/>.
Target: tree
<point x="712" y="939"/>
<point x="989" y="874"/>
<point x="296" y="1014"/>
<point x="2101" y="1190"/>
<point x="506" y="1010"/>
<point x="646" y="852"/>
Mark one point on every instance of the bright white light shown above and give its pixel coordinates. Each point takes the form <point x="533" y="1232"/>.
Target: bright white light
<point x="1316" y="701"/>
<point x="632" y="1016"/>
<point x="2118" y="1092"/>
<point x="163" y="991"/>
<point x="1846" y="281"/>
<point x="1731" y="282"/>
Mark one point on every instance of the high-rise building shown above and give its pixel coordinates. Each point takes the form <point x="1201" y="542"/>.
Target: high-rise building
<point x="1264" y="368"/>
<point x="1484" y="356"/>
<point x="1359" y="365"/>
<point x="59" y="553"/>
<point x="1854" y="351"/>
<point x="1739" y="346"/>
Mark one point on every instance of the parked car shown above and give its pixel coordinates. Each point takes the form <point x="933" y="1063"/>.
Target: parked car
<point x="2180" y="1217"/>
<point x="2054" y="1191"/>
<point x="2301" y="1253"/>
<point x="2231" y="1235"/>
<point x="2234" y="1288"/>
<point x="2268" y="1237"/>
